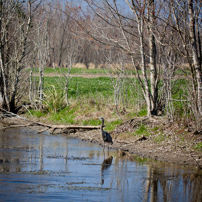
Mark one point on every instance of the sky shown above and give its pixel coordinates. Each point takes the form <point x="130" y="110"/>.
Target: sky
<point x="83" y="3"/>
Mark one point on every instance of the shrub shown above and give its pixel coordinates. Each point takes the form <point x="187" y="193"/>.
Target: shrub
<point x="64" y="116"/>
<point x="54" y="100"/>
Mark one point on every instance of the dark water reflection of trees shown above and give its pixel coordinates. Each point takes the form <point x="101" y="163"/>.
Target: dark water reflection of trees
<point x="169" y="181"/>
<point x="193" y="186"/>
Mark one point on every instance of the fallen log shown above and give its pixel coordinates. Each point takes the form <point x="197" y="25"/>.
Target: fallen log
<point x="63" y="128"/>
<point x="66" y="126"/>
<point x="50" y="127"/>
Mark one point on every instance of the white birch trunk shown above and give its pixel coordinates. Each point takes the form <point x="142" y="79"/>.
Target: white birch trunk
<point x="196" y="61"/>
<point x="152" y="57"/>
<point x="143" y="68"/>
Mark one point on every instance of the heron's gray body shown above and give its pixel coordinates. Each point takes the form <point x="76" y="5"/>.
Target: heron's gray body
<point x="105" y="135"/>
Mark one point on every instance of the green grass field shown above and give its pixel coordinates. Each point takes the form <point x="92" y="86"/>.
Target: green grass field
<point x="82" y="87"/>
<point x="88" y="96"/>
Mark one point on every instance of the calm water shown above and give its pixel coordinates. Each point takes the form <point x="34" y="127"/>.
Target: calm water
<point x="41" y="167"/>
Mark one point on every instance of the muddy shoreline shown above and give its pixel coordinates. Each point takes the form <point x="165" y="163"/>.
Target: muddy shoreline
<point x="160" y="152"/>
<point x="169" y="151"/>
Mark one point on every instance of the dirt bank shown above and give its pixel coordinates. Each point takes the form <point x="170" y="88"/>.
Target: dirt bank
<point x="171" y="149"/>
<point x="169" y="143"/>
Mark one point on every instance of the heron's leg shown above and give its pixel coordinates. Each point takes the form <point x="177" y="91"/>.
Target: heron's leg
<point x="104" y="154"/>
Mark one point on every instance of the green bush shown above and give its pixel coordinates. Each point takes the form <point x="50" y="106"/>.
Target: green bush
<point x="54" y="100"/>
<point x="64" y="116"/>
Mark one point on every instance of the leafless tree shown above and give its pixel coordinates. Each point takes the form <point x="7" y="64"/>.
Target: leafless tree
<point x="183" y="20"/>
<point x="71" y="57"/>
<point x="41" y="45"/>
<point x="127" y="31"/>
<point x="15" y="25"/>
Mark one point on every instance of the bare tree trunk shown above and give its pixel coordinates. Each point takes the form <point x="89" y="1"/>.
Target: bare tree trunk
<point x="41" y="68"/>
<point x="152" y="57"/>
<point x="13" y="95"/>
<point x="62" y="41"/>
<point x="71" y="55"/>
<point x="41" y="85"/>
<point x="67" y="78"/>
<point x="196" y="62"/>
<point x="5" y="89"/>
<point x="143" y="67"/>
<point x="168" y="75"/>
<point x="1" y="93"/>
<point x="42" y="37"/>
<point x="30" y="87"/>
<point x="140" y="24"/>
<point x="2" y="65"/>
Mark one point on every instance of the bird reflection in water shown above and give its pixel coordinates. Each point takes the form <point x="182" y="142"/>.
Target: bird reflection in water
<point x="105" y="165"/>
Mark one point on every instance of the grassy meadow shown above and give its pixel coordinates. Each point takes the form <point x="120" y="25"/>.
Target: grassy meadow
<point x="90" y="98"/>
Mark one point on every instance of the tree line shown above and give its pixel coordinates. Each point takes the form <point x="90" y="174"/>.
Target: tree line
<point x="155" y="38"/>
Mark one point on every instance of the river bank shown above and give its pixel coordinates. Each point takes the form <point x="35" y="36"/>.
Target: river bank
<point x="169" y="143"/>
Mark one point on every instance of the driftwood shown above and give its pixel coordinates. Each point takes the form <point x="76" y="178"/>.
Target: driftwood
<point x="66" y="126"/>
<point x="51" y="128"/>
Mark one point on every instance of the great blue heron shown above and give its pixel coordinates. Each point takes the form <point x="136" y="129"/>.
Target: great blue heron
<point x="106" y="137"/>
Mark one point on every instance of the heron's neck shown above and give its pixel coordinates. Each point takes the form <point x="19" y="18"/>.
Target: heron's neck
<point x="102" y="125"/>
